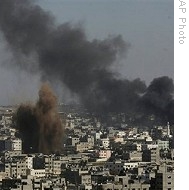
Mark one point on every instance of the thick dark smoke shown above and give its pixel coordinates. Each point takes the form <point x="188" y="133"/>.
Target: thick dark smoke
<point x="40" y="126"/>
<point x="64" y="53"/>
<point x="158" y="99"/>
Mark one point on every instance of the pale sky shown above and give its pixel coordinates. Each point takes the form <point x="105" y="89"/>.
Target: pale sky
<point x="148" y="25"/>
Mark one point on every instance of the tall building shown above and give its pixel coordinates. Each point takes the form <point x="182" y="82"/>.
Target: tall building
<point x="168" y="129"/>
<point x="164" y="178"/>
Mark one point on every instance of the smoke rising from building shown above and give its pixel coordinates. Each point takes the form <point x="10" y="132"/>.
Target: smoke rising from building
<point x="40" y="125"/>
<point x="158" y="99"/>
<point x="65" y="54"/>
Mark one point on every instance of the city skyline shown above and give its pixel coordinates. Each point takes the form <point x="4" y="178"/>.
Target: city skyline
<point x="139" y="23"/>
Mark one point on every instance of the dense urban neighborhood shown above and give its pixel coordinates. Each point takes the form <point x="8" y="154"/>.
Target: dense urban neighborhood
<point x="87" y="94"/>
<point x="106" y="152"/>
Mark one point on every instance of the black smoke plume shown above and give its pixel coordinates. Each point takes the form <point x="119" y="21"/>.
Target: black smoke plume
<point x="40" y="126"/>
<point x="158" y="99"/>
<point x="64" y="53"/>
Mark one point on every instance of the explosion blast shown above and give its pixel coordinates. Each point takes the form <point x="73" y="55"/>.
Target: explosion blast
<point x="40" y="125"/>
<point x="64" y="53"/>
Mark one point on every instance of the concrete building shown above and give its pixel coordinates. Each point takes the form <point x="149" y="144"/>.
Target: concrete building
<point x="72" y="141"/>
<point x="138" y="146"/>
<point x="164" y="178"/>
<point x="116" y="167"/>
<point x="96" y="135"/>
<point x="104" y="153"/>
<point x="18" y="166"/>
<point x="53" y="165"/>
<point x="163" y="144"/>
<point x="135" y="156"/>
<point x="149" y="146"/>
<point x="83" y="146"/>
<point x="109" y="186"/>
<point x="152" y="155"/>
<point x="119" y="139"/>
<point x="13" y="144"/>
<point x="105" y="142"/>
<point x="36" y="173"/>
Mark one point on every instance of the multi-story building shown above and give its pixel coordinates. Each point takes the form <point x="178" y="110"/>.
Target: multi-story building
<point x="151" y="155"/>
<point x="116" y="167"/>
<point x="53" y="165"/>
<point x="135" y="156"/>
<point x="36" y="172"/>
<point x="14" y="144"/>
<point x="104" y="153"/>
<point x="163" y="144"/>
<point x="164" y="178"/>
<point x="105" y="142"/>
<point x="73" y="141"/>
<point x="83" y="146"/>
<point x="149" y="146"/>
<point x="18" y="166"/>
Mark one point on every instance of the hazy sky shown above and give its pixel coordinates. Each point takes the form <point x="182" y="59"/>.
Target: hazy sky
<point x="148" y="25"/>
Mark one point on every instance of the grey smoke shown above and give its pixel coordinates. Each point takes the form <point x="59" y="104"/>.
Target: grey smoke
<point x="64" y="53"/>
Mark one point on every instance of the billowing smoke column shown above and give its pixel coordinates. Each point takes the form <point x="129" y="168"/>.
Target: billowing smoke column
<point x="64" y="53"/>
<point x="158" y="99"/>
<point x="40" y="125"/>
